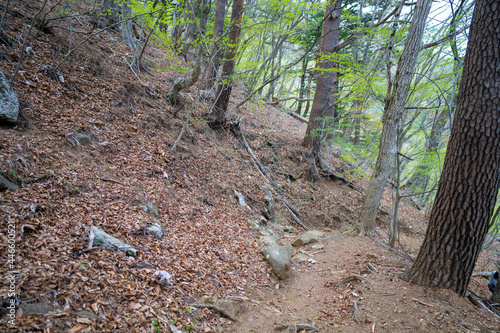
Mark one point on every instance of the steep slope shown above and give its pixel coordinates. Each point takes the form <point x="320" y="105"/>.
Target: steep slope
<point x="127" y="178"/>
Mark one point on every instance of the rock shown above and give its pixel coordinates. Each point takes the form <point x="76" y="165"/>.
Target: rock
<point x="263" y="231"/>
<point x="150" y="209"/>
<point x="6" y="184"/>
<point x="301" y="257"/>
<point x="82" y="139"/>
<point x="308" y="237"/>
<point x="241" y="199"/>
<point x="269" y="209"/>
<point x="156" y="230"/>
<point x="337" y="237"/>
<point x="279" y="259"/>
<point x="269" y="239"/>
<point x="288" y="229"/>
<point x="37" y="308"/>
<point x="85" y="313"/>
<point x="9" y="105"/>
<point x="230" y="307"/>
<point x="317" y="246"/>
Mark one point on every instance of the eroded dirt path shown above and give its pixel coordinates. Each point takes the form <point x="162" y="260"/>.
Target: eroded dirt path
<point x="314" y="296"/>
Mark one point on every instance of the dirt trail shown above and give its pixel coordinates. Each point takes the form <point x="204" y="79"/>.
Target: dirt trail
<point x="313" y="295"/>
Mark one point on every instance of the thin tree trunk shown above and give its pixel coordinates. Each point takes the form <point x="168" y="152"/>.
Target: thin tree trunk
<point x="392" y="114"/>
<point x="302" y="88"/>
<point x="469" y="184"/>
<point x="218" y="116"/>
<point x="214" y="60"/>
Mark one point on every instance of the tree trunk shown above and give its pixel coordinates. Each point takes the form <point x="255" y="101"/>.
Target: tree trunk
<point x="469" y="184"/>
<point x="329" y="39"/>
<point x="218" y="116"/>
<point x="193" y="6"/>
<point x="392" y="114"/>
<point x="214" y="60"/>
<point x="302" y="88"/>
<point x="308" y="93"/>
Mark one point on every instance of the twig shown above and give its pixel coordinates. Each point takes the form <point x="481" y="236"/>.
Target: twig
<point x="216" y="308"/>
<point x="353" y="278"/>
<point x="23" y="48"/>
<point x="236" y="129"/>
<point x="110" y="180"/>
<point x="423" y="303"/>
<point x="3" y="15"/>
<point x="132" y="69"/>
<point x="372" y="268"/>
<point x="96" y="33"/>
<point x="355" y="311"/>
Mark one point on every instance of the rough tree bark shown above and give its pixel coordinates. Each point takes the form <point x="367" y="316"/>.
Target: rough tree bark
<point x="214" y="60"/>
<point x="329" y="40"/>
<point x="392" y="114"/>
<point x="218" y="116"/>
<point x="470" y="180"/>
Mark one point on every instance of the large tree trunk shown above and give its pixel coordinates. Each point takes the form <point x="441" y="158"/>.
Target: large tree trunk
<point x="218" y="116"/>
<point x="214" y="60"/>
<point x="470" y="180"/>
<point x="329" y="39"/>
<point x="392" y="114"/>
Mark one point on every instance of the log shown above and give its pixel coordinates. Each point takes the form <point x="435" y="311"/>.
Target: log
<point x="100" y="238"/>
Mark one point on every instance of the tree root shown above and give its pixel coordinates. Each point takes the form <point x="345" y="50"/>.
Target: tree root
<point x="353" y="278"/>
<point x="235" y="128"/>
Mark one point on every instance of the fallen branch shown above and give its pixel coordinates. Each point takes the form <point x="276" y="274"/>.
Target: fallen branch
<point x="354" y="278"/>
<point x="110" y="180"/>
<point x="100" y="238"/>
<point x="298" y="117"/>
<point x="372" y="268"/>
<point x="216" y="308"/>
<point x="236" y="129"/>
<point x="423" y="303"/>
<point x="297" y="327"/>
<point x="355" y="311"/>
<point x="277" y="101"/>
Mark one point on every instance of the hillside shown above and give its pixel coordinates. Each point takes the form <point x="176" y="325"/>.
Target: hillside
<point x="126" y="179"/>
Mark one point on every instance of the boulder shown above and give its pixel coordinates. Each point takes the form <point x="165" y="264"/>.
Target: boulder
<point x="9" y="105"/>
<point x="279" y="258"/>
<point x="269" y="209"/>
<point x="82" y="139"/>
<point x="308" y="237"/>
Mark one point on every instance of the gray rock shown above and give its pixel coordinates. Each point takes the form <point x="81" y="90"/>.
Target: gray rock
<point x="6" y="184"/>
<point x="82" y="139"/>
<point x="156" y="230"/>
<point x="37" y="308"/>
<point x="317" y="246"/>
<point x="279" y="259"/>
<point x="269" y="209"/>
<point x="308" y="237"/>
<point x="85" y="313"/>
<point x="150" y="209"/>
<point x="301" y="257"/>
<point x="268" y="239"/>
<point x="241" y="199"/>
<point x="9" y="105"/>
<point x="337" y="237"/>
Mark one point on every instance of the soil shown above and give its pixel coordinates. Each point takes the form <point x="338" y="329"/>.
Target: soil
<point x="211" y="245"/>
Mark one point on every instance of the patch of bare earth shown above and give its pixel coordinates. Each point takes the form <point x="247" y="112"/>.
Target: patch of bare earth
<point x="210" y="245"/>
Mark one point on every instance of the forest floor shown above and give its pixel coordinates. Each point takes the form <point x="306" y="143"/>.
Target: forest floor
<point x="211" y="244"/>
